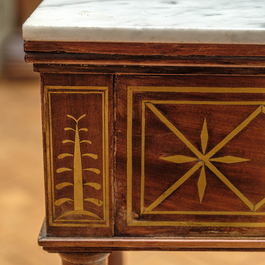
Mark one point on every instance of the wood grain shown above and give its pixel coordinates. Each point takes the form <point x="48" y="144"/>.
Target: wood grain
<point x="204" y="49"/>
<point x="121" y="59"/>
<point x="160" y="117"/>
<point x="71" y="244"/>
<point x="198" y="191"/>
<point x="148" y="69"/>
<point x="78" y="168"/>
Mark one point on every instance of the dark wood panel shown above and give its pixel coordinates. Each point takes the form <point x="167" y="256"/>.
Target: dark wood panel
<point x="61" y="244"/>
<point x="78" y="147"/>
<point x="144" y="69"/>
<point x="124" y="59"/>
<point x="147" y="48"/>
<point x="189" y="156"/>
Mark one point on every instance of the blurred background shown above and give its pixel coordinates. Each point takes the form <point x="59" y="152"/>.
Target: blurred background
<point x="21" y="168"/>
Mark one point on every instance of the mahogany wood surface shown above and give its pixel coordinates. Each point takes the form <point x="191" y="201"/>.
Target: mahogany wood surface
<point x="204" y="49"/>
<point x="144" y="69"/>
<point x="89" y="98"/>
<point x="121" y="59"/>
<point x="162" y="54"/>
<point x="84" y="244"/>
<point x="185" y="138"/>
<point x="186" y="104"/>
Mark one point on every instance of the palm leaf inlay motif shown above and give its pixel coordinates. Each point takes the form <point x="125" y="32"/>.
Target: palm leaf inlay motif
<point x="78" y="169"/>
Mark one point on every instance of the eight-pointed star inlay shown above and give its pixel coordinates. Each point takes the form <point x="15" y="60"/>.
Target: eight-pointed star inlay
<point x="204" y="159"/>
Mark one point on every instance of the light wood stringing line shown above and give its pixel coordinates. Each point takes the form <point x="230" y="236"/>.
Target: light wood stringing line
<point x="129" y="148"/>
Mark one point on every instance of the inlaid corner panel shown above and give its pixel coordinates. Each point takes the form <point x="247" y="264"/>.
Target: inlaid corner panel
<point x="195" y="158"/>
<point x="77" y="142"/>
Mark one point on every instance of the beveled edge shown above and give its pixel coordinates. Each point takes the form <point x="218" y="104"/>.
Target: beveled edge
<point x="85" y="244"/>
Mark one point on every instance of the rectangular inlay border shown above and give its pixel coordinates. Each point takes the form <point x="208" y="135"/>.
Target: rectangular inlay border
<point x="130" y="91"/>
<point x="103" y="91"/>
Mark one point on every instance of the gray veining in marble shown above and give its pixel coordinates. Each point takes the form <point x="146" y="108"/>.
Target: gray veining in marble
<point x="197" y="21"/>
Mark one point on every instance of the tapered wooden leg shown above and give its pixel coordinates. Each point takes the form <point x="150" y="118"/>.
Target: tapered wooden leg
<point x="115" y="258"/>
<point x="84" y="258"/>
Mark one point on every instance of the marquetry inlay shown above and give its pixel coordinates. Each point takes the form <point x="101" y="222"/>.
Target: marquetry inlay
<point x="203" y="160"/>
<point x="77" y="170"/>
<point x="194" y="154"/>
<point x="77" y="156"/>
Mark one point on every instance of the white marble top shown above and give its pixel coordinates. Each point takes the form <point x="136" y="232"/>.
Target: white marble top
<point x="180" y="21"/>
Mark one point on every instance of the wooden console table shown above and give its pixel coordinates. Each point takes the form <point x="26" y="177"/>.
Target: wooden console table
<point x="153" y="125"/>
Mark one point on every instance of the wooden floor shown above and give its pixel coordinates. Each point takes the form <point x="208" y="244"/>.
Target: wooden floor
<point x="22" y="196"/>
<point x="21" y="177"/>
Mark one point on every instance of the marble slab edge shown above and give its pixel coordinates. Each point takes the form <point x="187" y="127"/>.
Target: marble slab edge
<point x="153" y="35"/>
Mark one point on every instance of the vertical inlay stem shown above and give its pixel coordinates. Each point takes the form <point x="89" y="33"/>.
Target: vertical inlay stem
<point x="78" y="177"/>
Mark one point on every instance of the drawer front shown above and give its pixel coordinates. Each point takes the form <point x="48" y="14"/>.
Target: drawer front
<point x="190" y="156"/>
<point x="77" y="122"/>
